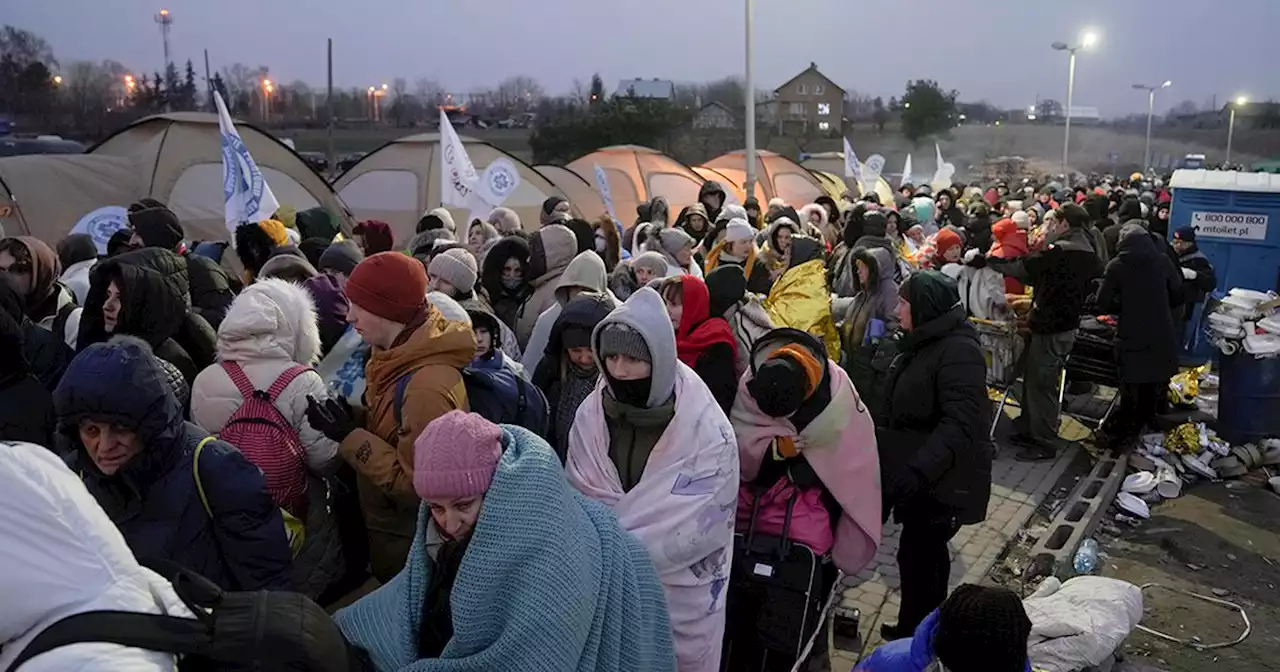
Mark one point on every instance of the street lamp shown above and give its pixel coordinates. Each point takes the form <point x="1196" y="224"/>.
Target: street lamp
<point x="267" y="89"/>
<point x="57" y="80"/>
<point x="1088" y="39"/>
<point x="1240" y="101"/>
<point x="1151" y="106"/>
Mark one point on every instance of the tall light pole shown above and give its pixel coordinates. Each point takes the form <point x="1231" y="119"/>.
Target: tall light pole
<point x="1086" y="40"/>
<point x="1151" y="107"/>
<point x="165" y="20"/>
<point x="1240" y="101"/>
<point x="749" y="185"/>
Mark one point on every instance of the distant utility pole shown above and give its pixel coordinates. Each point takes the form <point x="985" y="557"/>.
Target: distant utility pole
<point x="332" y="159"/>
<point x="208" y="83"/>
<point x="165" y="21"/>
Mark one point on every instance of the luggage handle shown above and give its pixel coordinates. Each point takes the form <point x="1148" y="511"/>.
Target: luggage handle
<point x="784" y="543"/>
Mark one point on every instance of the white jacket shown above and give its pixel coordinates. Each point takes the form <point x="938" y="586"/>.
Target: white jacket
<point x="61" y="555"/>
<point x="76" y="279"/>
<point x="270" y="327"/>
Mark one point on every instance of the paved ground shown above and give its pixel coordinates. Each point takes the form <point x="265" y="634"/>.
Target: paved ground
<point x="1017" y="489"/>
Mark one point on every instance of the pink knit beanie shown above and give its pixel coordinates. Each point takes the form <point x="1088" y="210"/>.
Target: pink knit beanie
<point x="455" y="456"/>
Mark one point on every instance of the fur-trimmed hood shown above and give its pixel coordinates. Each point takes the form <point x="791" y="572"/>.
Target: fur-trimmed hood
<point x="271" y="319"/>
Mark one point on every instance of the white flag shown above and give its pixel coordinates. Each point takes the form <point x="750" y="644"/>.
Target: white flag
<point x="247" y="196"/>
<point x="906" y="172"/>
<point x="942" y="176"/>
<point x="871" y="173"/>
<point x="602" y="185"/>
<point x="851" y="166"/>
<point x="461" y="186"/>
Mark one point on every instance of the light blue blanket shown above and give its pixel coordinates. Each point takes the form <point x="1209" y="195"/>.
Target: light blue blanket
<point x="550" y="582"/>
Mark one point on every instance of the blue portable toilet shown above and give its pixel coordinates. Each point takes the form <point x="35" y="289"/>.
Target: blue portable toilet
<point x="1231" y="213"/>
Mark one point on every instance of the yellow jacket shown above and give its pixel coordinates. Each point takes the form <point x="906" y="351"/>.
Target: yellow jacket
<point x="800" y="300"/>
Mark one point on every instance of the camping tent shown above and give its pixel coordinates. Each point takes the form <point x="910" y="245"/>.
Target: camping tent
<point x="733" y="189"/>
<point x="777" y="176"/>
<point x="179" y="162"/>
<point x="637" y="174"/>
<point x="832" y="165"/>
<point x="399" y="181"/>
<point x="585" y="200"/>
<point x="44" y="195"/>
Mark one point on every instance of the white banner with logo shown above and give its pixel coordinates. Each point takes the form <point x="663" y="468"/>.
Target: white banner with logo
<point x="101" y="224"/>
<point x="462" y="187"/>
<point x="851" y="166"/>
<point x="871" y="173"/>
<point x="245" y="191"/>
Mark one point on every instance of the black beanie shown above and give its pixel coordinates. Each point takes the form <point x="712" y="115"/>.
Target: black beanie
<point x="76" y="248"/>
<point x="982" y="629"/>
<point x="874" y="223"/>
<point x="156" y="224"/>
<point x="726" y="285"/>
<point x="779" y="387"/>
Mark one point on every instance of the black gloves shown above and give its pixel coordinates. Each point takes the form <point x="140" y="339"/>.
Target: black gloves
<point x="331" y="417"/>
<point x="902" y="484"/>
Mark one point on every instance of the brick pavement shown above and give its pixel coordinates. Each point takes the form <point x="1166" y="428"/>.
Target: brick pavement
<point x="1017" y="488"/>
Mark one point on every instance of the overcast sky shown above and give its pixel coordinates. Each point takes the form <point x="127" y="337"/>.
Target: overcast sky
<point x="996" y="50"/>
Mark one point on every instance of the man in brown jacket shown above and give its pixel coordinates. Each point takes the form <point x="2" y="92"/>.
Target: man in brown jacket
<point x="413" y="377"/>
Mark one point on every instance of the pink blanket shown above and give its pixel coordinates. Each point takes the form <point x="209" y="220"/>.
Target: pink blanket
<point x="682" y="510"/>
<point x="840" y="445"/>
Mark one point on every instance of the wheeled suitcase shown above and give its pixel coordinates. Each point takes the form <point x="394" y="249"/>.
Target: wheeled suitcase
<point x="778" y="589"/>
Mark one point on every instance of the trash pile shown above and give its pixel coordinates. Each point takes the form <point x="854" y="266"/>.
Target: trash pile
<point x="1246" y="319"/>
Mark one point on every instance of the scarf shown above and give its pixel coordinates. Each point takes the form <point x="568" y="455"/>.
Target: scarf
<point x="575" y="385"/>
<point x="698" y="330"/>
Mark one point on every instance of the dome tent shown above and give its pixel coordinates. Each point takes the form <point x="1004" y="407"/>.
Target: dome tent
<point x="586" y="201"/>
<point x="45" y="195"/>
<point x="637" y="174"/>
<point x="776" y="175"/>
<point x="400" y="180"/>
<point x="181" y="159"/>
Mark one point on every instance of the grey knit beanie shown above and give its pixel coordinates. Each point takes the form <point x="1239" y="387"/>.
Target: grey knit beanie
<point x="456" y="267"/>
<point x="619" y="339"/>
<point x="673" y="240"/>
<point x="342" y="257"/>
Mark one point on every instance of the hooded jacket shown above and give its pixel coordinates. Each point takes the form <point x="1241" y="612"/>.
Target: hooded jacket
<point x="669" y="241"/>
<point x="1010" y="243"/>
<point x="47" y="297"/>
<point x="748" y="320"/>
<point x="1141" y="288"/>
<point x="71" y="560"/>
<point x="799" y="298"/>
<point x="709" y="188"/>
<point x="551" y="248"/>
<point x="433" y="357"/>
<point x="238" y="542"/>
<point x="155" y="307"/>
<point x="34" y="349"/>
<point x="585" y="272"/>
<point x="1097" y="205"/>
<point x="1206" y="279"/>
<point x="825" y="231"/>
<point x="938" y="390"/>
<point x="505" y="302"/>
<point x="878" y="300"/>
<point x="706" y="343"/>
<point x="681" y="507"/>
<point x="552" y="375"/>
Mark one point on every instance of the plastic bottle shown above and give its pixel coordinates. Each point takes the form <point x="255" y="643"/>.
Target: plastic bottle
<point x="1086" y="560"/>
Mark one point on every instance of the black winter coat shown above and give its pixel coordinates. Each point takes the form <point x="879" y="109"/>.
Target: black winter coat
<point x="1062" y="274"/>
<point x="47" y="355"/>
<point x="211" y="293"/>
<point x="584" y="311"/>
<point x="234" y="535"/>
<point x="156" y="307"/>
<point x="979" y="232"/>
<point x="715" y="368"/>
<point x="1141" y="288"/>
<point x="938" y="387"/>
<point x="26" y="410"/>
<point x="505" y="303"/>
<point x="1206" y="279"/>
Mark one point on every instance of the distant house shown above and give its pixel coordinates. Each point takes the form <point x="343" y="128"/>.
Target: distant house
<point x="660" y="89"/>
<point x="810" y="102"/>
<point x="714" y="115"/>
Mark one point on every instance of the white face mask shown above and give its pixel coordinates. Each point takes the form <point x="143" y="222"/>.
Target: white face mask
<point x="601" y="245"/>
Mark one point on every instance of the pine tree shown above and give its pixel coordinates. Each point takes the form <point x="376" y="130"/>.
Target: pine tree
<point x="188" y="97"/>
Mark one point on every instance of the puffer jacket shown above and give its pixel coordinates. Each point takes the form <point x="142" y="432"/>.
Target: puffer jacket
<point x="211" y="293"/>
<point x="238" y="541"/>
<point x="878" y="300"/>
<point x="71" y="560"/>
<point x="381" y="451"/>
<point x="271" y="328"/>
<point x="551" y="248"/>
<point x="937" y="389"/>
<point x="155" y="307"/>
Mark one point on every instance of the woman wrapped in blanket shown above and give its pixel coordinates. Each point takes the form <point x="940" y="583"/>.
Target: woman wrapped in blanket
<point x="510" y="568"/>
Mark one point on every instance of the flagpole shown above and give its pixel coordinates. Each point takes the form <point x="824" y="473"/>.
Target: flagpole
<point x="748" y="186"/>
<point x="331" y="158"/>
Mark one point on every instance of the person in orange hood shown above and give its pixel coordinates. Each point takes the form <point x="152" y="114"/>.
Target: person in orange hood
<point x="1010" y="243"/>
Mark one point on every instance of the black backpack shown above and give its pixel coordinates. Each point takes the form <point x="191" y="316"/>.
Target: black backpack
<point x="258" y="631"/>
<point x="490" y="394"/>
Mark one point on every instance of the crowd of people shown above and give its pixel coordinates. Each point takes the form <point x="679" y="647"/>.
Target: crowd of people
<point x="560" y="446"/>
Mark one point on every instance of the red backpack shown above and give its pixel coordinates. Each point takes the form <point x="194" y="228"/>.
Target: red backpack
<point x="268" y="440"/>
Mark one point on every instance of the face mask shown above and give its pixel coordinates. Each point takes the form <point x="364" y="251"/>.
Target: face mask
<point x="511" y="284"/>
<point x="600" y="245"/>
<point x="631" y="392"/>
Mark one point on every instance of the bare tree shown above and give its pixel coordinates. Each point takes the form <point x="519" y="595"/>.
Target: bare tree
<point x="580" y="92"/>
<point x="25" y="47"/>
<point x="428" y="92"/>
<point x="518" y="94"/>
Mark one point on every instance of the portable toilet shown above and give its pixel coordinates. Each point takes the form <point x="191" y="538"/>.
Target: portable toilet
<point x="1231" y="213"/>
